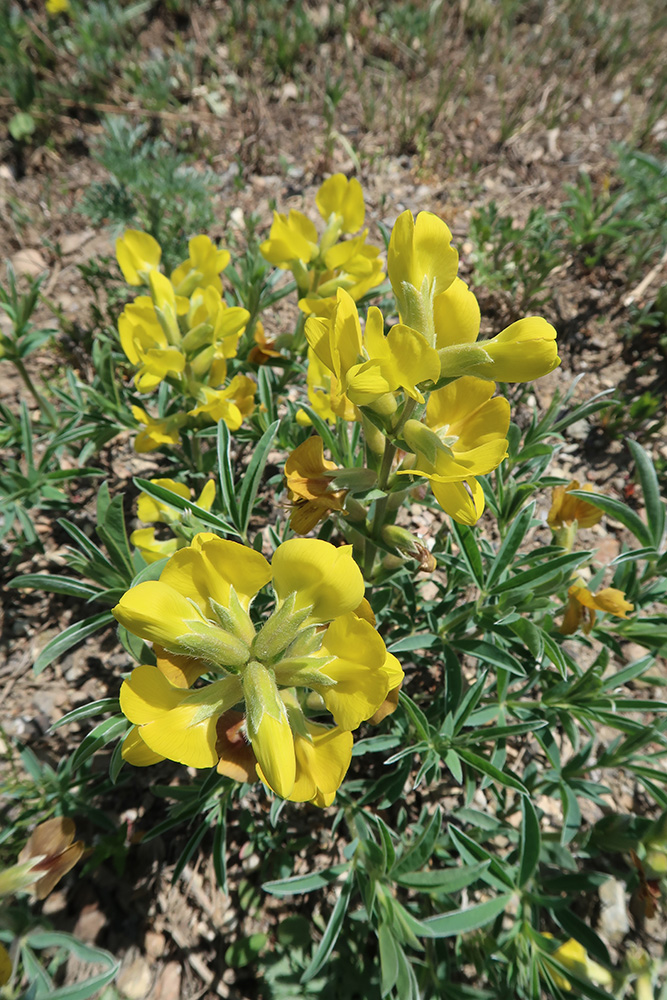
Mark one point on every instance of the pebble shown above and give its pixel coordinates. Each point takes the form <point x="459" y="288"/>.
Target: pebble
<point x="613" y="923"/>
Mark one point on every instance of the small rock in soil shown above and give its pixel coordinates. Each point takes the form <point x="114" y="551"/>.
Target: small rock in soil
<point x="613" y="924"/>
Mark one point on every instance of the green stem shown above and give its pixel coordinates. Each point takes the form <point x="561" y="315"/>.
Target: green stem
<point x="380" y="509"/>
<point x="44" y="407"/>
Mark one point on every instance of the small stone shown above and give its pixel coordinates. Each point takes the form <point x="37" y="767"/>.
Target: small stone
<point x="154" y="944"/>
<point x="135" y="977"/>
<point x="169" y="984"/>
<point x="613" y="923"/>
<point x="90" y="923"/>
<point x="29" y="262"/>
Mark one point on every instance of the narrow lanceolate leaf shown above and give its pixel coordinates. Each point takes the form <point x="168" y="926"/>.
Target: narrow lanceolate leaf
<point x="98" y="737"/>
<point x="253" y="475"/>
<point x="444" y="879"/>
<point x="468" y="919"/>
<point x="304" y="883"/>
<point x="388" y="959"/>
<point x="615" y="508"/>
<point x="70" y="637"/>
<point x="470" y="553"/>
<point x="180" y="503"/>
<point x="54" y="585"/>
<point x="85" y="953"/>
<point x="417" y="855"/>
<point x="483" y="765"/>
<point x="86" y="711"/>
<point x="655" y="507"/>
<point x="332" y="931"/>
<point x="511" y="543"/>
<point x="530" y="843"/>
<point x="226" y="474"/>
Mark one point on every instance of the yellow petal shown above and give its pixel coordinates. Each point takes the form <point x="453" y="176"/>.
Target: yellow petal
<point x="156" y="612"/>
<point x="269" y="730"/>
<point x="419" y="250"/>
<point x="340" y="196"/>
<point x="137" y="252"/>
<point x="465" y="505"/>
<point x="526" y="350"/>
<point x="322" y="575"/>
<point x="321" y="762"/>
<point x="136" y="752"/>
<point x="358" y="669"/>
<point x="456" y="315"/>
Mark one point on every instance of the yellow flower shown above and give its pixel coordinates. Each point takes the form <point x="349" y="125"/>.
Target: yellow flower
<point x="367" y="368"/>
<point x="421" y="263"/>
<point x="357" y="272"/>
<point x="264" y="348"/>
<point x="321" y="265"/>
<point x="574" y="956"/>
<point x="137" y="253"/>
<point x="324" y="394"/>
<point x="464" y="436"/>
<point x="212" y="326"/>
<point x="526" y="350"/>
<point x="309" y="487"/>
<point x="155" y="433"/>
<point x="151" y="548"/>
<point x="149" y="509"/>
<point x="231" y="404"/>
<point x="145" y="344"/>
<point x="582" y="607"/>
<point x="565" y="510"/>
<point x="292" y="238"/>
<point x="198" y="616"/>
<point x="202" y="268"/>
<point x="341" y="198"/>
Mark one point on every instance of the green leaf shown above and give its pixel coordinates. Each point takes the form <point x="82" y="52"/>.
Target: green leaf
<point x="510" y="545"/>
<point x="487" y="653"/>
<point x="253" y="475"/>
<point x="54" y="585"/>
<point x="439" y="880"/>
<point x="623" y="513"/>
<point x="530" y="843"/>
<point x="485" y="766"/>
<point x="538" y="575"/>
<point x="297" y="884"/>
<point x="467" y="919"/>
<point x="420" y="852"/>
<point x="21" y="125"/>
<point x="332" y="931"/>
<point x="388" y="959"/>
<point x="424" y="640"/>
<point x="111" y="531"/>
<point x="180" y="503"/>
<point x="226" y="474"/>
<point x="571" y="814"/>
<point x="86" y="711"/>
<point x="70" y="637"/>
<point x="98" y="737"/>
<point x="655" y="508"/>
<point x="467" y="542"/>
<point x="85" y="953"/>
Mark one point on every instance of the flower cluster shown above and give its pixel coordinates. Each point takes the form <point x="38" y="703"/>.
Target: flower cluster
<point x="183" y="333"/>
<point x="154" y="512"/>
<point x="382" y="377"/>
<point x="316" y="654"/>
<point x="323" y="265"/>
